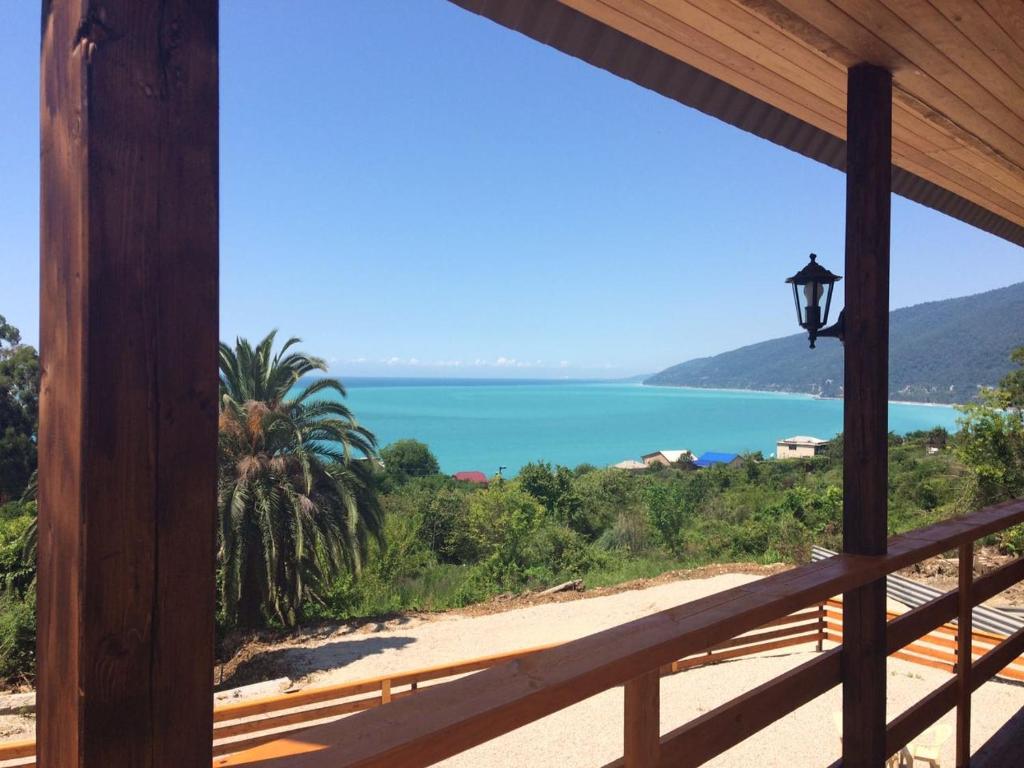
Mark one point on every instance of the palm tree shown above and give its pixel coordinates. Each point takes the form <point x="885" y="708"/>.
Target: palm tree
<point x="296" y="497"/>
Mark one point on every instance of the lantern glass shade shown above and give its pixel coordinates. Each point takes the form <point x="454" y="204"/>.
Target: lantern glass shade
<point x="810" y="285"/>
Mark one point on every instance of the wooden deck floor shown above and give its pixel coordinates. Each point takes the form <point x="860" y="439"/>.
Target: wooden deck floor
<point x="1005" y="748"/>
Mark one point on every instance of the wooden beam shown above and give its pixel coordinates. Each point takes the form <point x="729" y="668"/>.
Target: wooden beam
<point x="128" y="422"/>
<point x="865" y="411"/>
<point x="964" y="661"/>
<point x="641" y="721"/>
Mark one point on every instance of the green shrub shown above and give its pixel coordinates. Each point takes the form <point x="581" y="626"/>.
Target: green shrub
<point x="17" y="636"/>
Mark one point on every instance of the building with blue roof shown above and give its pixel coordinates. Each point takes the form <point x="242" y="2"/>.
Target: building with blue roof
<point x="708" y="458"/>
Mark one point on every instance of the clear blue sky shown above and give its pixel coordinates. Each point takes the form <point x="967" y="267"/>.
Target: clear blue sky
<point x="414" y="190"/>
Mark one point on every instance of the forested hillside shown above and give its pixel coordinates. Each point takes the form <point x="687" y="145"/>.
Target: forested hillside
<point x="941" y="352"/>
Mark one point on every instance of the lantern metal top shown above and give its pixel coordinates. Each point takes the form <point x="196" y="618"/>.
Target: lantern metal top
<point x="814" y="273"/>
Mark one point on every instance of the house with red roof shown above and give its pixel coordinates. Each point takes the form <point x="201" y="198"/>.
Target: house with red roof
<point x="475" y="477"/>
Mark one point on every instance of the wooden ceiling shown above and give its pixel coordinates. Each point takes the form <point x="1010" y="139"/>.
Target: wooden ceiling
<point x="958" y="70"/>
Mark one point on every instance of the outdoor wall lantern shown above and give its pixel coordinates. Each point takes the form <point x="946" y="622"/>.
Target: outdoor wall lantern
<point x="815" y="282"/>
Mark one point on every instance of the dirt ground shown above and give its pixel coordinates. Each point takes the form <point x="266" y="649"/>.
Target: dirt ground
<point x="258" y="658"/>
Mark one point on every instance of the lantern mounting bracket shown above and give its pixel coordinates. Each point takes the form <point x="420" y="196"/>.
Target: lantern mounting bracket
<point x="836" y="331"/>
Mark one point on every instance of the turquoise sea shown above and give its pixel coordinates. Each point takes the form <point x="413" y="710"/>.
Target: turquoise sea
<point x="483" y="425"/>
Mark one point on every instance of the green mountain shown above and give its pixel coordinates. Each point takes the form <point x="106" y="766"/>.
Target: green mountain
<point x="940" y="352"/>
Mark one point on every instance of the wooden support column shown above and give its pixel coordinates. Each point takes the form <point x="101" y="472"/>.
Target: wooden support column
<point x="642" y="721"/>
<point x="865" y="407"/>
<point x="964" y="641"/>
<point x="128" y="423"/>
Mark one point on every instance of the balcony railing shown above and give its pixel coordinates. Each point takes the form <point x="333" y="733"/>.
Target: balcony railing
<point x="281" y="724"/>
<point x="445" y="720"/>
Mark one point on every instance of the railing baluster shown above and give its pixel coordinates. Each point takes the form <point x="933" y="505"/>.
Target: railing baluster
<point x="963" y="656"/>
<point x="642" y="726"/>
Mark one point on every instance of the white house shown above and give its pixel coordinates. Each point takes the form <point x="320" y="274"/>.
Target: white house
<point x="800" y="447"/>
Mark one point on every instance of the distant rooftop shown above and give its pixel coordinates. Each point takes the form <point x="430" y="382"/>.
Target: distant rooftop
<point x="471" y="477"/>
<point x="672" y="456"/>
<point x="803" y="440"/>
<point x="711" y="457"/>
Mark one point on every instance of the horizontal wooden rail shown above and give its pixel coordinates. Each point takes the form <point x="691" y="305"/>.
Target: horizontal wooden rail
<point x="912" y="722"/>
<point x="451" y="718"/>
<point x="714" y="658"/>
<point x="316" y="695"/>
<point x="913" y="636"/>
<point x="247" y="724"/>
<point x="721" y="728"/>
<point x="995" y="661"/>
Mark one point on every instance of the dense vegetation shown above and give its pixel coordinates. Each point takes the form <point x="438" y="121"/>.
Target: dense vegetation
<point x="940" y="352"/>
<point x="19" y="423"/>
<point x="451" y="543"/>
<point x="315" y="523"/>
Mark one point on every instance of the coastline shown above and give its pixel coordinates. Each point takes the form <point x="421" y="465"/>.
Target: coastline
<point x="786" y="393"/>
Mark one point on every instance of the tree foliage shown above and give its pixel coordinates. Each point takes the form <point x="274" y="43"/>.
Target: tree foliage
<point x="406" y="459"/>
<point x="19" y="411"/>
<point x="991" y="440"/>
<point x="296" y="499"/>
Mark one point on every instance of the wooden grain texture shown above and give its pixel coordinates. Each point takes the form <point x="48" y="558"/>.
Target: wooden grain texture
<point x="964" y="647"/>
<point x="871" y="32"/>
<point x="641" y="721"/>
<point x="919" y="621"/>
<point x="866" y="406"/>
<point x="913" y="721"/>
<point x="129" y="248"/>
<point x="996" y="660"/>
<point x="727" y="725"/>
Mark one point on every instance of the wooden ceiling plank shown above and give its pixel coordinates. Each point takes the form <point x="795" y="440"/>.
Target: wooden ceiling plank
<point x="911" y="152"/>
<point x="776" y="14"/>
<point x="968" y="165"/>
<point x="925" y="19"/>
<point x="852" y="36"/>
<point x="994" y="170"/>
<point x="753" y="80"/>
<point x="975" y="22"/>
<point x="1008" y="15"/>
<point x="792" y="24"/>
<point x="738" y="29"/>
<point x="741" y="15"/>
<point x="685" y="31"/>
<point x="963" y="137"/>
<point x="742" y="31"/>
<point x="970" y="101"/>
<point x="964" y="184"/>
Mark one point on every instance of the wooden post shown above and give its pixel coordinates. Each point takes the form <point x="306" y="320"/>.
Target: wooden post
<point x="821" y="626"/>
<point x="865" y="409"/>
<point x="642" y="721"/>
<point x="964" y="640"/>
<point x="128" y="422"/>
